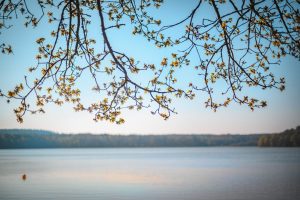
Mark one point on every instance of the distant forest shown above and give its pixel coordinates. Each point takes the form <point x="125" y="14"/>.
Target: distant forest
<point x="19" y="138"/>
<point x="288" y="138"/>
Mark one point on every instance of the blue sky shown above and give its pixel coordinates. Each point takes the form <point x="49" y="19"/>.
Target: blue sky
<point x="283" y="109"/>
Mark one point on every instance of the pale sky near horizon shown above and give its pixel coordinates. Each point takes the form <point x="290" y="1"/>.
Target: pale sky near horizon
<point x="282" y="112"/>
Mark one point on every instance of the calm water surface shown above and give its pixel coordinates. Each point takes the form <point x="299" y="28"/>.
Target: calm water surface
<point x="151" y="174"/>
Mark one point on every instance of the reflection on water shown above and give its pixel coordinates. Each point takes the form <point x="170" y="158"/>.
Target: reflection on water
<point x="111" y="176"/>
<point x="145" y="173"/>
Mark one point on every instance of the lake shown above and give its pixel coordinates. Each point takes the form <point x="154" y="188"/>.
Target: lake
<point x="210" y="173"/>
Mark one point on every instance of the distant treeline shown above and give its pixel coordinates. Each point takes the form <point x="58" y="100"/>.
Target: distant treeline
<point x="18" y="138"/>
<point x="288" y="138"/>
<point x="45" y="139"/>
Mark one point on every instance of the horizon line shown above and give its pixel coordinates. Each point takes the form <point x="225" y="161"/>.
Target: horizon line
<point x="142" y="134"/>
